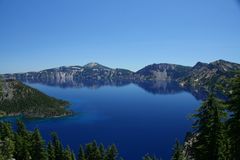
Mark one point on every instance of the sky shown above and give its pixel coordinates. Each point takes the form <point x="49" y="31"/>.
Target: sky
<point x="41" y="34"/>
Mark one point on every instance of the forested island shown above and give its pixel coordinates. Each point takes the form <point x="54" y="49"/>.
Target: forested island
<point x="18" y="99"/>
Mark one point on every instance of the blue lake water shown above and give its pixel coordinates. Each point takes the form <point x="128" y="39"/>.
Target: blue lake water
<point x="137" y="121"/>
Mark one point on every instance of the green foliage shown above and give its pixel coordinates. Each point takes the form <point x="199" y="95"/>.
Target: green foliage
<point x="209" y="131"/>
<point x="21" y="130"/>
<point x="6" y="131"/>
<point x="217" y="136"/>
<point x="81" y="153"/>
<point x="92" y="151"/>
<point x="50" y="152"/>
<point x="98" y="152"/>
<point x="68" y="154"/>
<point x="26" y="145"/>
<point x="178" y="151"/>
<point x="234" y="120"/>
<point x="6" y="148"/>
<point x="57" y="146"/>
<point x="38" y="146"/>
<point x="112" y="152"/>
<point x="150" y="157"/>
<point x="31" y="103"/>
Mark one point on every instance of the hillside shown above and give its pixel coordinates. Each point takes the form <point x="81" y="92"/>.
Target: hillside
<point x="19" y="99"/>
<point x="211" y="77"/>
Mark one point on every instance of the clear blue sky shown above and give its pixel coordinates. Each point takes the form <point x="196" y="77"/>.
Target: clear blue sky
<point x="40" y="34"/>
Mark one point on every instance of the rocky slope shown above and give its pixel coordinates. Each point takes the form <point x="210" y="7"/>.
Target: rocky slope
<point x="162" y="72"/>
<point x="210" y="76"/>
<point x="19" y="99"/>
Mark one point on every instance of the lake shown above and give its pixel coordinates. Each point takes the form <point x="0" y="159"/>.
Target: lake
<point x="138" y="120"/>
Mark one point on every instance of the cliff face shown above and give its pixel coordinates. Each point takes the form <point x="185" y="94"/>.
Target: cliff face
<point x="19" y="99"/>
<point x="162" y="72"/>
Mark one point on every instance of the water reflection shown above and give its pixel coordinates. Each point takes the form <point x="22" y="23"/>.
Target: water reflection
<point x="153" y="87"/>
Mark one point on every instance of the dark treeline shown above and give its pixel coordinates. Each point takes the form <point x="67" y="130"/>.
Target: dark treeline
<point x="26" y="145"/>
<point x="216" y="130"/>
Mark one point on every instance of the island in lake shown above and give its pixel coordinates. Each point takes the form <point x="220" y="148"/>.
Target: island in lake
<point x="17" y="98"/>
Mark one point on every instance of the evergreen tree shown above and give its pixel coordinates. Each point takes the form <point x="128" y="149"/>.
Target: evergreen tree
<point x="102" y="151"/>
<point x="68" y="154"/>
<point x="149" y="157"/>
<point x="6" y="141"/>
<point x="6" y="149"/>
<point x="58" y="149"/>
<point x="92" y="151"/>
<point x="73" y="156"/>
<point x="6" y="131"/>
<point x="177" y="151"/>
<point x="50" y="151"/>
<point x="209" y="131"/>
<point x="38" y="146"/>
<point x="21" y="130"/>
<point x="112" y="153"/>
<point x="30" y="146"/>
<point x="22" y="142"/>
<point x="22" y="150"/>
<point x="234" y="120"/>
<point x="81" y="153"/>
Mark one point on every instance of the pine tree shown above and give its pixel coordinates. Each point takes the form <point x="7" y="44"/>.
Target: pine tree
<point x="112" y="153"/>
<point x="22" y="142"/>
<point x="149" y="157"/>
<point x="68" y="154"/>
<point x="73" y="156"/>
<point x="38" y="146"/>
<point x="81" y="153"/>
<point x="92" y="151"/>
<point x="21" y="130"/>
<point x="102" y="151"/>
<point x="6" y="141"/>
<point x="6" y="148"/>
<point x="22" y="150"/>
<point x="234" y="120"/>
<point x="209" y="131"/>
<point x="6" y="131"/>
<point x="177" y="151"/>
<point x="57" y="145"/>
<point x="50" y="151"/>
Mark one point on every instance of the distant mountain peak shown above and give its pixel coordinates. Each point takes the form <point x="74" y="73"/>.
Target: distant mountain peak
<point x="92" y="64"/>
<point x="220" y="61"/>
<point x="199" y="65"/>
<point x="95" y="65"/>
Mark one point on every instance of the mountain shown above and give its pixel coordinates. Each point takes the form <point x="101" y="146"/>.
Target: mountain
<point x="95" y="71"/>
<point x="202" y="77"/>
<point x="162" y="72"/>
<point x="88" y="72"/>
<point x="19" y="99"/>
<point x="211" y="76"/>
